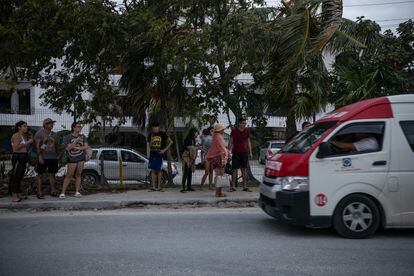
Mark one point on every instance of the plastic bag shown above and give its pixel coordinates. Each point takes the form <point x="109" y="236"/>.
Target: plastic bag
<point x="222" y="181"/>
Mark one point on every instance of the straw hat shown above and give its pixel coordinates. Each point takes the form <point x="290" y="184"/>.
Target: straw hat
<point x="218" y="127"/>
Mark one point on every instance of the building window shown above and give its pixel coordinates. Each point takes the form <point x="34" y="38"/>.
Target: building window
<point x="15" y="101"/>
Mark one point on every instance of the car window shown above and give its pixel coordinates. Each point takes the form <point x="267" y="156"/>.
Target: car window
<point x="128" y="156"/>
<point x="109" y="155"/>
<point x="277" y="145"/>
<point x="366" y="137"/>
<point x="408" y="129"/>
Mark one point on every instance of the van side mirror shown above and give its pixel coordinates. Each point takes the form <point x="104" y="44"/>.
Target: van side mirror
<point x="324" y="149"/>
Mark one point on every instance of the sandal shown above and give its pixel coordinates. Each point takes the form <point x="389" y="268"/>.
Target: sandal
<point x="40" y="196"/>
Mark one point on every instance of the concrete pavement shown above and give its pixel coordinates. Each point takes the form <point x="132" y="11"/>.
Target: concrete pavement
<point x="170" y="198"/>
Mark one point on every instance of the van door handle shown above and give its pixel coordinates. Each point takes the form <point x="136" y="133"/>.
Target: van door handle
<point x="379" y="163"/>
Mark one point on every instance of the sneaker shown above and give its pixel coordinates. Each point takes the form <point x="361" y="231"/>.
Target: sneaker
<point x="77" y="194"/>
<point x="62" y="196"/>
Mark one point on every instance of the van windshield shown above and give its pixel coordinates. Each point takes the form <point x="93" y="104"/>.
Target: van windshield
<point x="307" y="137"/>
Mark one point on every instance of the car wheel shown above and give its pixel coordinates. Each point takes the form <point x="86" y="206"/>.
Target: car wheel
<point x="356" y="217"/>
<point x="89" y="179"/>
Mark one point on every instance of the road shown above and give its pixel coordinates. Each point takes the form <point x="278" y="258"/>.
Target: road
<point x="190" y="242"/>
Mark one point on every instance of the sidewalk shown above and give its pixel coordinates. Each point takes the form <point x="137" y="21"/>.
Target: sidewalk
<point x="171" y="198"/>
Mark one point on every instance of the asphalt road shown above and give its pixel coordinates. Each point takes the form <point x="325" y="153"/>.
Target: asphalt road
<point x="190" y="242"/>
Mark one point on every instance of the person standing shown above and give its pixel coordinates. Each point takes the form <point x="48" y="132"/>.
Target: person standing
<point x="20" y="144"/>
<point x="189" y="154"/>
<point x="217" y="156"/>
<point x="159" y="143"/>
<point x="47" y="146"/>
<point x="75" y="145"/>
<point x="206" y="141"/>
<point x="240" y="146"/>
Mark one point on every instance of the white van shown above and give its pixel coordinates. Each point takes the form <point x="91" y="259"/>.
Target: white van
<point x="328" y="175"/>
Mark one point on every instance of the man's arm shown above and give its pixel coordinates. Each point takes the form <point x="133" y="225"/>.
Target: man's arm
<point x="169" y="143"/>
<point x="230" y="146"/>
<point x="343" y="145"/>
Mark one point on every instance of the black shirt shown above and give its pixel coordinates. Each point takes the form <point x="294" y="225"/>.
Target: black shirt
<point x="157" y="142"/>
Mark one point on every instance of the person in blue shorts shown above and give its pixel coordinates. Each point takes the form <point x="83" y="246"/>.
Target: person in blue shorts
<point x="159" y="143"/>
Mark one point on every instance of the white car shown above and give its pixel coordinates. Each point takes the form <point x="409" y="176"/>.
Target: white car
<point x="117" y="161"/>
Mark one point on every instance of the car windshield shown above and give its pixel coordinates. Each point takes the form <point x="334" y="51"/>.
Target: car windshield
<point x="307" y="137"/>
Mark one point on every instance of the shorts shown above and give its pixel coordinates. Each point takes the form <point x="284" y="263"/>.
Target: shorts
<point x="75" y="162"/>
<point x="50" y="165"/>
<point x="239" y="160"/>
<point x="155" y="163"/>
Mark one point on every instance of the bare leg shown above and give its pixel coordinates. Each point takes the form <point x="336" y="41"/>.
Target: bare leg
<point x="52" y="180"/>
<point x="154" y="176"/>
<point x="39" y="183"/>
<point x="78" y="175"/>
<point x="206" y="173"/>
<point x="71" y="167"/>
<point x="210" y="178"/>
<point x="244" y="176"/>
<point x="159" y="174"/>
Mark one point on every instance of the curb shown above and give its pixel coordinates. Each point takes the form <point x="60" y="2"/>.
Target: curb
<point x="116" y="204"/>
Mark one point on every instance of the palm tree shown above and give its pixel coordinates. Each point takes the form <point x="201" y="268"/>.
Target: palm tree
<point x="295" y="76"/>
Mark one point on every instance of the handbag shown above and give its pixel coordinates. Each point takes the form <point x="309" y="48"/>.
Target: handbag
<point x="228" y="169"/>
<point x="222" y="181"/>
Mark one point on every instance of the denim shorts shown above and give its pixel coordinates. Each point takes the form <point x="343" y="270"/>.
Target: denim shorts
<point x="155" y="163"/>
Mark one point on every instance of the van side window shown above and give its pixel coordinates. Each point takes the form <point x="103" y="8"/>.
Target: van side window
<point x="358" y="138"/>
<point x="408" y="129"/>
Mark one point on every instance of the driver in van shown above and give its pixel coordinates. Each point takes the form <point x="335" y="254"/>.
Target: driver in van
<point x="364" y="142"/>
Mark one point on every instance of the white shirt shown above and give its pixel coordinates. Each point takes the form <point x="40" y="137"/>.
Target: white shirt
<point x="366" y="144"/>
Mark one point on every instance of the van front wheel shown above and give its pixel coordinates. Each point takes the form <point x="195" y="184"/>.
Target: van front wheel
<point x="356" y="217"/>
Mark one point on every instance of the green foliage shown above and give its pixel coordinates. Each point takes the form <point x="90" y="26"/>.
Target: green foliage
<point x="157" y="64"/>
<point x="384" y="68"/>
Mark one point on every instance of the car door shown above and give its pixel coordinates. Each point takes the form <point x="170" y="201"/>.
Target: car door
<point x="111" y="163"/>
<point x="339" y="174"/>
<point x="402" y="169"/>
<point x="134" y="167"/>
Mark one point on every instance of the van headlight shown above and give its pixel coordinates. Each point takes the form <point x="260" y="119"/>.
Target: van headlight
<point x="294" y="183"/>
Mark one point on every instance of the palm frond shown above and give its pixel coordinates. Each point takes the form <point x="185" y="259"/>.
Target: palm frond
<point x="331" y="20"/>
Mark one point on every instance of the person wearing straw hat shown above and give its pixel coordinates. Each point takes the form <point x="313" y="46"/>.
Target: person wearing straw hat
<point x="217" y="155"/>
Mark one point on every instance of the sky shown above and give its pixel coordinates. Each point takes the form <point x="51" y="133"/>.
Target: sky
<point x="387" y="13"/>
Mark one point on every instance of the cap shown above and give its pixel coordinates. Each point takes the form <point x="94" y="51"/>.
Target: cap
<point x="48" y="121"/>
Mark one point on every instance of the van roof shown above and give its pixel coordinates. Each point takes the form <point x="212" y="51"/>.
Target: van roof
<point x="377" y="108"/>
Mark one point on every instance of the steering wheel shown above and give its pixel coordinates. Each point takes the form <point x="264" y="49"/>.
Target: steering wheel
<point x="334" y="148"/>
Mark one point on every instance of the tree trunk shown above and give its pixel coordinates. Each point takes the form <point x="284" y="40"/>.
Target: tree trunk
<point x="290" y="125"/>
